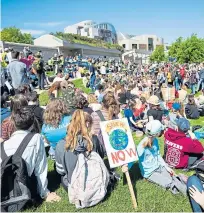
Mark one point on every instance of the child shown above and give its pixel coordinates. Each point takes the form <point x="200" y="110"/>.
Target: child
<point x="151" y="163"/>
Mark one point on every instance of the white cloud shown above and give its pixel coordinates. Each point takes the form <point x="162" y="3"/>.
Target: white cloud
<point x="45" y="24"/>
<point x="33" y="32"/>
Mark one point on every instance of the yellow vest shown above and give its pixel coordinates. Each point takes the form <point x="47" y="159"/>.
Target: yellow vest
<point x="3" y="62"/>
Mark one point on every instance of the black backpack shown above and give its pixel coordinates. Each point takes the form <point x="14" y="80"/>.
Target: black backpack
<point x="15" y="182"/>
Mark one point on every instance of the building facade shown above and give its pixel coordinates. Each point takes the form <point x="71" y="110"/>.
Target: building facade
<point x="140" y="42"/>
<point x="91" y="29"/>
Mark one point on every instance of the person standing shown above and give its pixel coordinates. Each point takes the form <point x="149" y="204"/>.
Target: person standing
<point x="39" y="71"/>
<point x="17" y="71"/>
<point x="93" y="76"/>
<point x="201" y="79"/>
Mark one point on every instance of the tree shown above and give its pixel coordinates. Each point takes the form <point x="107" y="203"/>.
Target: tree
<point x="158" y="55"/>
<point x="13" y="34"/>
<point x="188" y="50"/>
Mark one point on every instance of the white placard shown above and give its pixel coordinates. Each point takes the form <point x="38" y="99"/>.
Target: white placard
<point x="118" y="141"/>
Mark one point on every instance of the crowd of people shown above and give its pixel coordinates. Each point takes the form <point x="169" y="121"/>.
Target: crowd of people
<point x="153" y="98"/>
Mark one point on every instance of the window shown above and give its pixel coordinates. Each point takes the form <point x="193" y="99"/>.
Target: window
<point x="124" y="46"/>
<point x="134" y="46"/>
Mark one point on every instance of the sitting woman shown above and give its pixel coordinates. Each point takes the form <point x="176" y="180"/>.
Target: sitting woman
<point x="7" y="126"/>
<point x="151" y="163"/>
<point x="191" y="109"/>
<point x="78" y="140"/>
<point x="195" y="186"/>
<point x="155" y="112"/>
<point x="110" y="110"/>
<point x="56" y="120"/>
<point x="93" y="103"/>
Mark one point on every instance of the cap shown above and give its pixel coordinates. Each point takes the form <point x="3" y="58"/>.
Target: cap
<point x="183" y="124"/>
<point x="176" y="106"/>
<point x="154" y="100"/>
<point x="154" y="127"/>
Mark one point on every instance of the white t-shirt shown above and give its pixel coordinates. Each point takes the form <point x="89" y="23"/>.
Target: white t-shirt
<point x="103" y="70"/>
<point x="58" y="79"/>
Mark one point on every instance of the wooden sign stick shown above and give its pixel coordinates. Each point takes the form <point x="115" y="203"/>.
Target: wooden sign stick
<point x="134" y="202"/>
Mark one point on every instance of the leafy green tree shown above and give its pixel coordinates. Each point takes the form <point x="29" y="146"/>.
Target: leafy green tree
<point x="158" y="55"/>
<point x="13" y="34"/>
<point x="188" y="50"/>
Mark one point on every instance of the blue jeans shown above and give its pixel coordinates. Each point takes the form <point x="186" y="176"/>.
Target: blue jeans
<point x="200" y="82"/>
<point x="92" y="82"/>
<point x="41" y="80"/>
<point x="195" y="181"/>
<point x="193" y="89"/>
<point x="176" y="84"/>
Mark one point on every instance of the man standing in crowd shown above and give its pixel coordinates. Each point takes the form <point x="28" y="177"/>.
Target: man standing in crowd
<point x="17" y="71"/>
<point x="201" y="78"/>
<point x="38" y="70"/>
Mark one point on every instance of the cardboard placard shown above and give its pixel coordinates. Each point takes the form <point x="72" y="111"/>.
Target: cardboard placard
<point x="118" y="142"/>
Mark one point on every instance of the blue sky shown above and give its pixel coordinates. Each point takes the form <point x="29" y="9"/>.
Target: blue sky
<point x="166" y="18"/>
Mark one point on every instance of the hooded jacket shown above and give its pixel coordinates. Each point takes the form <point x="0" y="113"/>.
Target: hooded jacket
<point x="178" y="148"/>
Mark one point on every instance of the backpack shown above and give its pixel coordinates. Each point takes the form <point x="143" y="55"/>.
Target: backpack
<point x="193" y="78"/>
<point x="200" y="171"/>
<point x="37" y="65"/>
<point x="89" y="181"/>
<point x="15" y="182"/>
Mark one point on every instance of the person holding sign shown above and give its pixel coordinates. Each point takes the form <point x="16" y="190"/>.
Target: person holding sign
<point x="151" y="163"/>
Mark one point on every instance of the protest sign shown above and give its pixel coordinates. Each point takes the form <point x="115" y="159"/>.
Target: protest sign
<point x="118" y="142"/>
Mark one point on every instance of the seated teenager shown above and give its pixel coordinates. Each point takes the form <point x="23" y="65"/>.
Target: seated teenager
<point x="34" y="154"/>
<point x="93" y="103"/>
<point x="59" y="76"/>
<point x="109" y="111"/>
<point x="154" y="112"/>
<point x="129" y="114"/>
<point x="151" y="163"/>
<point x="191" y="109"/>
<point x="5" y="110"/>
<point x="181" y="149"/>
<point x="195" y="186"/>
<point x="78" y="139"/>
<point x="33" y="104"/>
<point x="82" y="103"/>
<point x="56" y="120"/>
<point x="174" y="115"/>
<point x="7" y="126"/>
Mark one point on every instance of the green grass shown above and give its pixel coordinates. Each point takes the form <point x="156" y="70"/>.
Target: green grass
<point x="150" y="197"/>
<point x="78" y="84"/>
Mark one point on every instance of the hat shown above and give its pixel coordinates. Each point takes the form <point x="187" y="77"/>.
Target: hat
<point x="154" y="100"/>
<point x="176" y="106"/>
<point x="183" y="124"/>
<point x="154" y="127"/>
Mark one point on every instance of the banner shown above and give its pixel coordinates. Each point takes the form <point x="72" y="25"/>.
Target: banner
<point x="118" y="142"/>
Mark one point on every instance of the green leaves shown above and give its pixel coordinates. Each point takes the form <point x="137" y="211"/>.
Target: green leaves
<point x="158" y="55"/>
<point x="13" y="34"/>
<point x="188" y="50"/>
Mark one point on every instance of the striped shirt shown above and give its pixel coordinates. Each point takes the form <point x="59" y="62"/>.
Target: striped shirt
<point x="96" y="121"/>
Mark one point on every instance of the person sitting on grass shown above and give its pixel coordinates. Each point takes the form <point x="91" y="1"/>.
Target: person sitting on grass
<point x="5" y="111"/>
<point x="56" y="120"/>
<point x="78" y="140"/>
<point x="195" y="186"/>
<point x="155" y="112"/>
<point x="93" y="103"/>
<point x="191" y="109"/>
<point x="182" y="150"/>
<point x="34" y="154"/>
<point x="151" y="163"/>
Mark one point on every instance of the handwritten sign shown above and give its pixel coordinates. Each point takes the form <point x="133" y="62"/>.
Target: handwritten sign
<point x="118" y="142"/>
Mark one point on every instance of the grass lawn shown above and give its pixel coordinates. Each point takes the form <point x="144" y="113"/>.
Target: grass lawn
<point x="150" y="197"/>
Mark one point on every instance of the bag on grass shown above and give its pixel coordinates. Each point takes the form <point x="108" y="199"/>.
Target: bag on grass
<point x="89" y="181"/>
<point x="15" y="182"/>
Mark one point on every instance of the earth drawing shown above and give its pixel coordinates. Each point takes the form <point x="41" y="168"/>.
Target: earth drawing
<point x="118" y="139"/>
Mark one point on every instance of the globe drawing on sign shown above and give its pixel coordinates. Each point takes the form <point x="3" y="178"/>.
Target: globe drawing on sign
<point x="118" y="139"/>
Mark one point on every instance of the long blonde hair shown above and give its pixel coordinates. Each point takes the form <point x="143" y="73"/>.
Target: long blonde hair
<point x="78" y="126"/>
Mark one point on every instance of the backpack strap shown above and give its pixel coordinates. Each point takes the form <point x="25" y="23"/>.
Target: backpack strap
<point x="100" y="115"/>
<point x="24" y="144"/>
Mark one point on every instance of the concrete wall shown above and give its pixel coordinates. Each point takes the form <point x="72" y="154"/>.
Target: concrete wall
<point x="48" y="41"/>
<point x="93" y="53"/>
